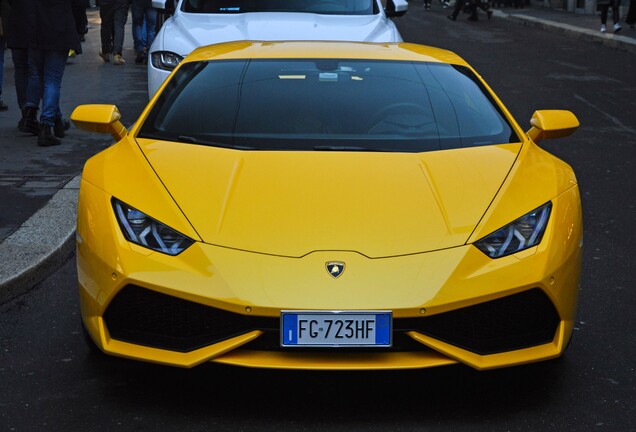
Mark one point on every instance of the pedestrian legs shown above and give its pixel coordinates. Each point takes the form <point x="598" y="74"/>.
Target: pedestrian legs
<point x="144" y="25"/>
<point x="138" y="27"/>
<point x="119" y="26"/>
<point x="50" y="65"/>
<point x="3" y="44"/>
<point x="106" y="14"/>
<point x="459" y="4"/>
<point x="604" y="9"/>
<point x="27" y="89"/>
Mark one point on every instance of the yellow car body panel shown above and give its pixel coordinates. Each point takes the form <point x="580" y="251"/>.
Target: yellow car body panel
<point x="122" y="170"/>
<point x="313" y="201"/>
<point x="534" y="180"/>
<point x="299" y="49"/>
<point x="264" y="225"/>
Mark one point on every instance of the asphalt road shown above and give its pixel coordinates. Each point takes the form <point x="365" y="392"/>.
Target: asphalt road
<point x="50" y="382"/>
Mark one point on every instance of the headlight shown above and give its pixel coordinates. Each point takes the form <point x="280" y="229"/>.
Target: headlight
<point x="521" y="234"/>
<point x="143" y="230"/>
<point x="165" y="60"/>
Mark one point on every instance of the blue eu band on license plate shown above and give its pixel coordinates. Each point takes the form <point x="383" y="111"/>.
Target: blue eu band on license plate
<point x="336" y="328"/>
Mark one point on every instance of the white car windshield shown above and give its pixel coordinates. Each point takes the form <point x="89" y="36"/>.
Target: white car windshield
<point x="337" y="7"/>
<point x="327" y="104"/>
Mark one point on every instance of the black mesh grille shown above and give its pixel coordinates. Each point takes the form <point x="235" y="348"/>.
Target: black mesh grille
<point x="149" y="318"/>
<point x="510" y="323"/>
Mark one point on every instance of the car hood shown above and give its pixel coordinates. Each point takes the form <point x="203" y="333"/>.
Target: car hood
<point x="294" y="203"/>
<point x="189" y="31"/>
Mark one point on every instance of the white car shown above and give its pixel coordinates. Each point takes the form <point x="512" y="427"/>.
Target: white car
<point x="195" y="23"/>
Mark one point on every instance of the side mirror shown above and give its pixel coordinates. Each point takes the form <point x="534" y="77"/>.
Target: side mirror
<point x="100" y="119"/>
<point x="396" y="8"/>
<point x="549" y="124"/>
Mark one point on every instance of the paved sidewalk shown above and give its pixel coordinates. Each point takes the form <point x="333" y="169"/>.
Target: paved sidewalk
<point x="583" y="26"/>
<point x="39" y="186"/>
<point x="37" y="234"/>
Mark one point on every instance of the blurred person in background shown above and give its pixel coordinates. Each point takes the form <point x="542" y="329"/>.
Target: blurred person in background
<point x="631" y="14"/>
<point x="81" y="19"/>
<point x="114" y="14"/>
<point x="603" y="6"/>
<point x="52" y="35"/>
<point x="5" y="8"/>
<point x="144" y="23"/>
<point x="18" y="33"/>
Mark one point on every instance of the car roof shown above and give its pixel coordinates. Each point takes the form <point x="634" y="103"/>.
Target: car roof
<point x="324" y="49"/>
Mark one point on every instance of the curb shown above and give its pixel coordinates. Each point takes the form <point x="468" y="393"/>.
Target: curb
<point x="40" y="245"/>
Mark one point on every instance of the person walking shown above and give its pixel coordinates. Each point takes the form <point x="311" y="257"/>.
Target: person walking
<point x="5" y="9"/>
<point x="470" y="6"/>
<point x="81" y="18"/>
<point x="631" y="14"/>
<point x="603" y="6"/>
<point x="459" y="5"/>
<point x="144" y="23"/>
<point x="114" y="14"/>
<point x="25" y="75"/>
<point x="53" y="35"/>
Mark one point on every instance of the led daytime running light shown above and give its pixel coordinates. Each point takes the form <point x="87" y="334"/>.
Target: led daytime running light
<point x="141" y="229"/>
<point x="523" y="233"/>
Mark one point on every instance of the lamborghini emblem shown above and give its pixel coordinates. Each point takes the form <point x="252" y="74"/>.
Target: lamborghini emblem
<point x="335" y="268"/>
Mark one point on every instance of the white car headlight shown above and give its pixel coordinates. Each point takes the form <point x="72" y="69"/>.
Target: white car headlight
<point x="521" y="234"/>
<point x="143" y="230"/>
<point x="165" y="60"/>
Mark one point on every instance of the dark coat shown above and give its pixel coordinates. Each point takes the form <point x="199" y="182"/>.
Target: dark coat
<point x="43" y="25"/>
<point x="16" y="31"/>
<point x="5" y="9"/>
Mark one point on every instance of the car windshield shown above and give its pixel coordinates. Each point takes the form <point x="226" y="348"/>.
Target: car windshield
<point x="326" y="105"/>
<point x="339" y="7"/>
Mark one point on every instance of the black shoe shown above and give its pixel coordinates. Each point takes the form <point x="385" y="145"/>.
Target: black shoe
<point x="3" y="106"/>
<point x="451" y="17"/>
<point x="46" y="137"/>
<point x="29" y="121"/>
<point x="61" y="125"/>
<point x="140" y="58"/>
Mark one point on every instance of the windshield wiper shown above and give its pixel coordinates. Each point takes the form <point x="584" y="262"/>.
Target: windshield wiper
<point x="212" y="143"/>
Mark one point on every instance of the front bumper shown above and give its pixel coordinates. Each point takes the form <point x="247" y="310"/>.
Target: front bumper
<point x="216" y="304"/>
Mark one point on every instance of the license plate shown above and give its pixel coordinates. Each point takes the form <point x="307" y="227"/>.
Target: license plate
<point x="336" y="328"/>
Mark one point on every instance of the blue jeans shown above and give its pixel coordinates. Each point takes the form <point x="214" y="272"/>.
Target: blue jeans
<point x="144" y="21"/>
<point x="27" y="81"/>
<point x="50" y="65"/>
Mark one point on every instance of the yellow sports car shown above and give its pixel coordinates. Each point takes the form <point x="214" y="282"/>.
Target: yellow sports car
<point x="328" y="205"/>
